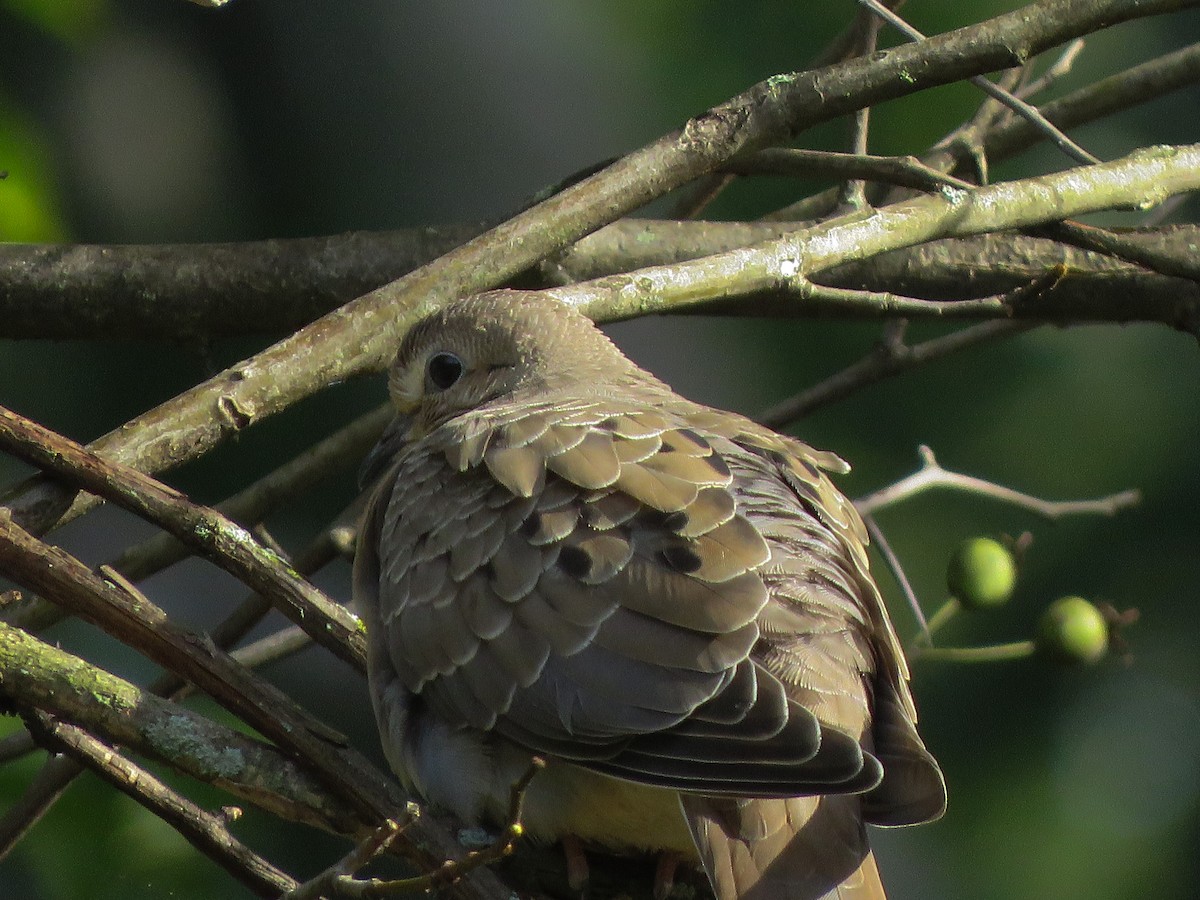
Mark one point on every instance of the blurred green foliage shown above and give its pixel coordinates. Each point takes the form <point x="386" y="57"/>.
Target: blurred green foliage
<point x="65" y="20"/>
<point x="322" y="116"/>
<point x="29" y="210"/>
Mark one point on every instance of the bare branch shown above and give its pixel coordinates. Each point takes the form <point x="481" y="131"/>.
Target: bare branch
<point x="203" y="291"/>
<point x="886" y="360"/>
<point x="879" y="539"/>
<point x="1017" y="105"/>
<point x="55" y="775"/>
<point x="327" y="882"/>
<point x="1060" y="68"/>
<point x="1133" y="87"/>
<point x="344" y="447"/>
<point x="775" y="276"/>
<point x="451" y="871"/>
<point x="981" y="139"/>
<point x="275" y="646"/>
<point x="905" y="171"/>
<point x="1102" y="240"/>
<point x="145" y="628"/>
<point x="893" y="355"/>
<point x="991" y="264"/>
<point x="37" y="675"/>
<point x="360" y="337"/>
<point x="218" y="538"/>
<point x="203" y="830"/>
<point x="932" y="475"/>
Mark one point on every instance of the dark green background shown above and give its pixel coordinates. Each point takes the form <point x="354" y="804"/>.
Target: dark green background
<point x="159" y="121"/>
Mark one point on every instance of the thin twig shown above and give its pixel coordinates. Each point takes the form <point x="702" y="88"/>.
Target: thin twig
<point x="853" y="194"/>
<point x="218" y="538"/>
<point x="54" y="777"/>
<point x="367" y="849"/>
<point x="144" y="627"/>
<point x="845" y="45"/>
<point x="272" y="648"/>
<point x="984" y="138"/>
<point x="1164" y="211"/>
<point x="208" y="833"/>
<point x="1060" y="68"/>
<point x="970" y="137"/>
<point x="360" y="337"/>
<point x="341" y="881"/>
<point x="1135" y="86"/>
<point x="701" y="193"/>
<point x="893" y="563"/>
<point x="1017" y="105"/>
<point x="931" y="475"/>
<point x="904" y="171"/>
<point x="985" y="654"/>
<point x="944" y="614"/>
<point x="892" y="304"/>
<point x="38" y="675"/>
<point x="888" y="358"/>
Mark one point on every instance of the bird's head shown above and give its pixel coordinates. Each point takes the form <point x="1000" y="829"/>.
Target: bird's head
<point x="499" y="346"/>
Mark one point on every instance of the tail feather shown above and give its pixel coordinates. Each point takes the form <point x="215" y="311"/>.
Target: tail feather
<point x="804" y="848"/>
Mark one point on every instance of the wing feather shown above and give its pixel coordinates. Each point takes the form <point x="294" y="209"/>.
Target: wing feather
<point x="629" y="590"/>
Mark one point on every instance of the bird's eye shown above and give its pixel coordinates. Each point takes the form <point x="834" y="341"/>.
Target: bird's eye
<point x="444" y="370"/>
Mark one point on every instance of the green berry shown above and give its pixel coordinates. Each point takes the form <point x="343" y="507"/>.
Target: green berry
<point x="1073" y="630"/>
<point x="982" y="573"/>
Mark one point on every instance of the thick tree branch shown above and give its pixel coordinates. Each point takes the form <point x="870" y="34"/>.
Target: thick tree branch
<point x="202" y="291"/>
<point x="344" y="447"/>
<point x="776" y="276"/>
<point x="36" y="675"/>
<point x="56" y="296"/>
<point x="986" y="137"/>
<point x="359" y="337"/>
<point x="202" y="528"/>
<point x="135" y="621"/>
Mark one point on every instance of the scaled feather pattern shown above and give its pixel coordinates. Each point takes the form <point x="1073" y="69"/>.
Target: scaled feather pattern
<point x="562" y="557"/>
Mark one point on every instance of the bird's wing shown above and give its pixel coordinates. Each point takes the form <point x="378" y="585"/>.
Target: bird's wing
<point x="586" y="580"/>
<point x="828" y="623"/>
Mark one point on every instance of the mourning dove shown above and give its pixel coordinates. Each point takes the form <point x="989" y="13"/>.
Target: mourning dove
<point x="667" y="602"/>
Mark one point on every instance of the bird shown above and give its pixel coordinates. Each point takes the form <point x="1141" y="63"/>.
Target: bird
<point x="668" y="603"/>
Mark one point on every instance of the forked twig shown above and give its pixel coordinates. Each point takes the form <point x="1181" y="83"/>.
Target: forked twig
<point x="340" y="881"/>
<point x="1016" y="104"/>
<point x="931" y="475"/>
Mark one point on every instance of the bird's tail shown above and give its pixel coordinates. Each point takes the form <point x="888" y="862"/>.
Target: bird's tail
<point x="806" y="848"/>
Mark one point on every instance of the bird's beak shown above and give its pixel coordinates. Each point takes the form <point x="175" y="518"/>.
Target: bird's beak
<point x="375" y="463"/>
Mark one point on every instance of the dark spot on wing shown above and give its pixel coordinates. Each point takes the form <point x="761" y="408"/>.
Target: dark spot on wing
<point x="682" y="558"/>
<point x="574" y="562"/>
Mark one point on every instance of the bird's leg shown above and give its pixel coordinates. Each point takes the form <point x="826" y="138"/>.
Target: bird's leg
<point x="577" y="864"/>
<point x="664" y="873"/>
